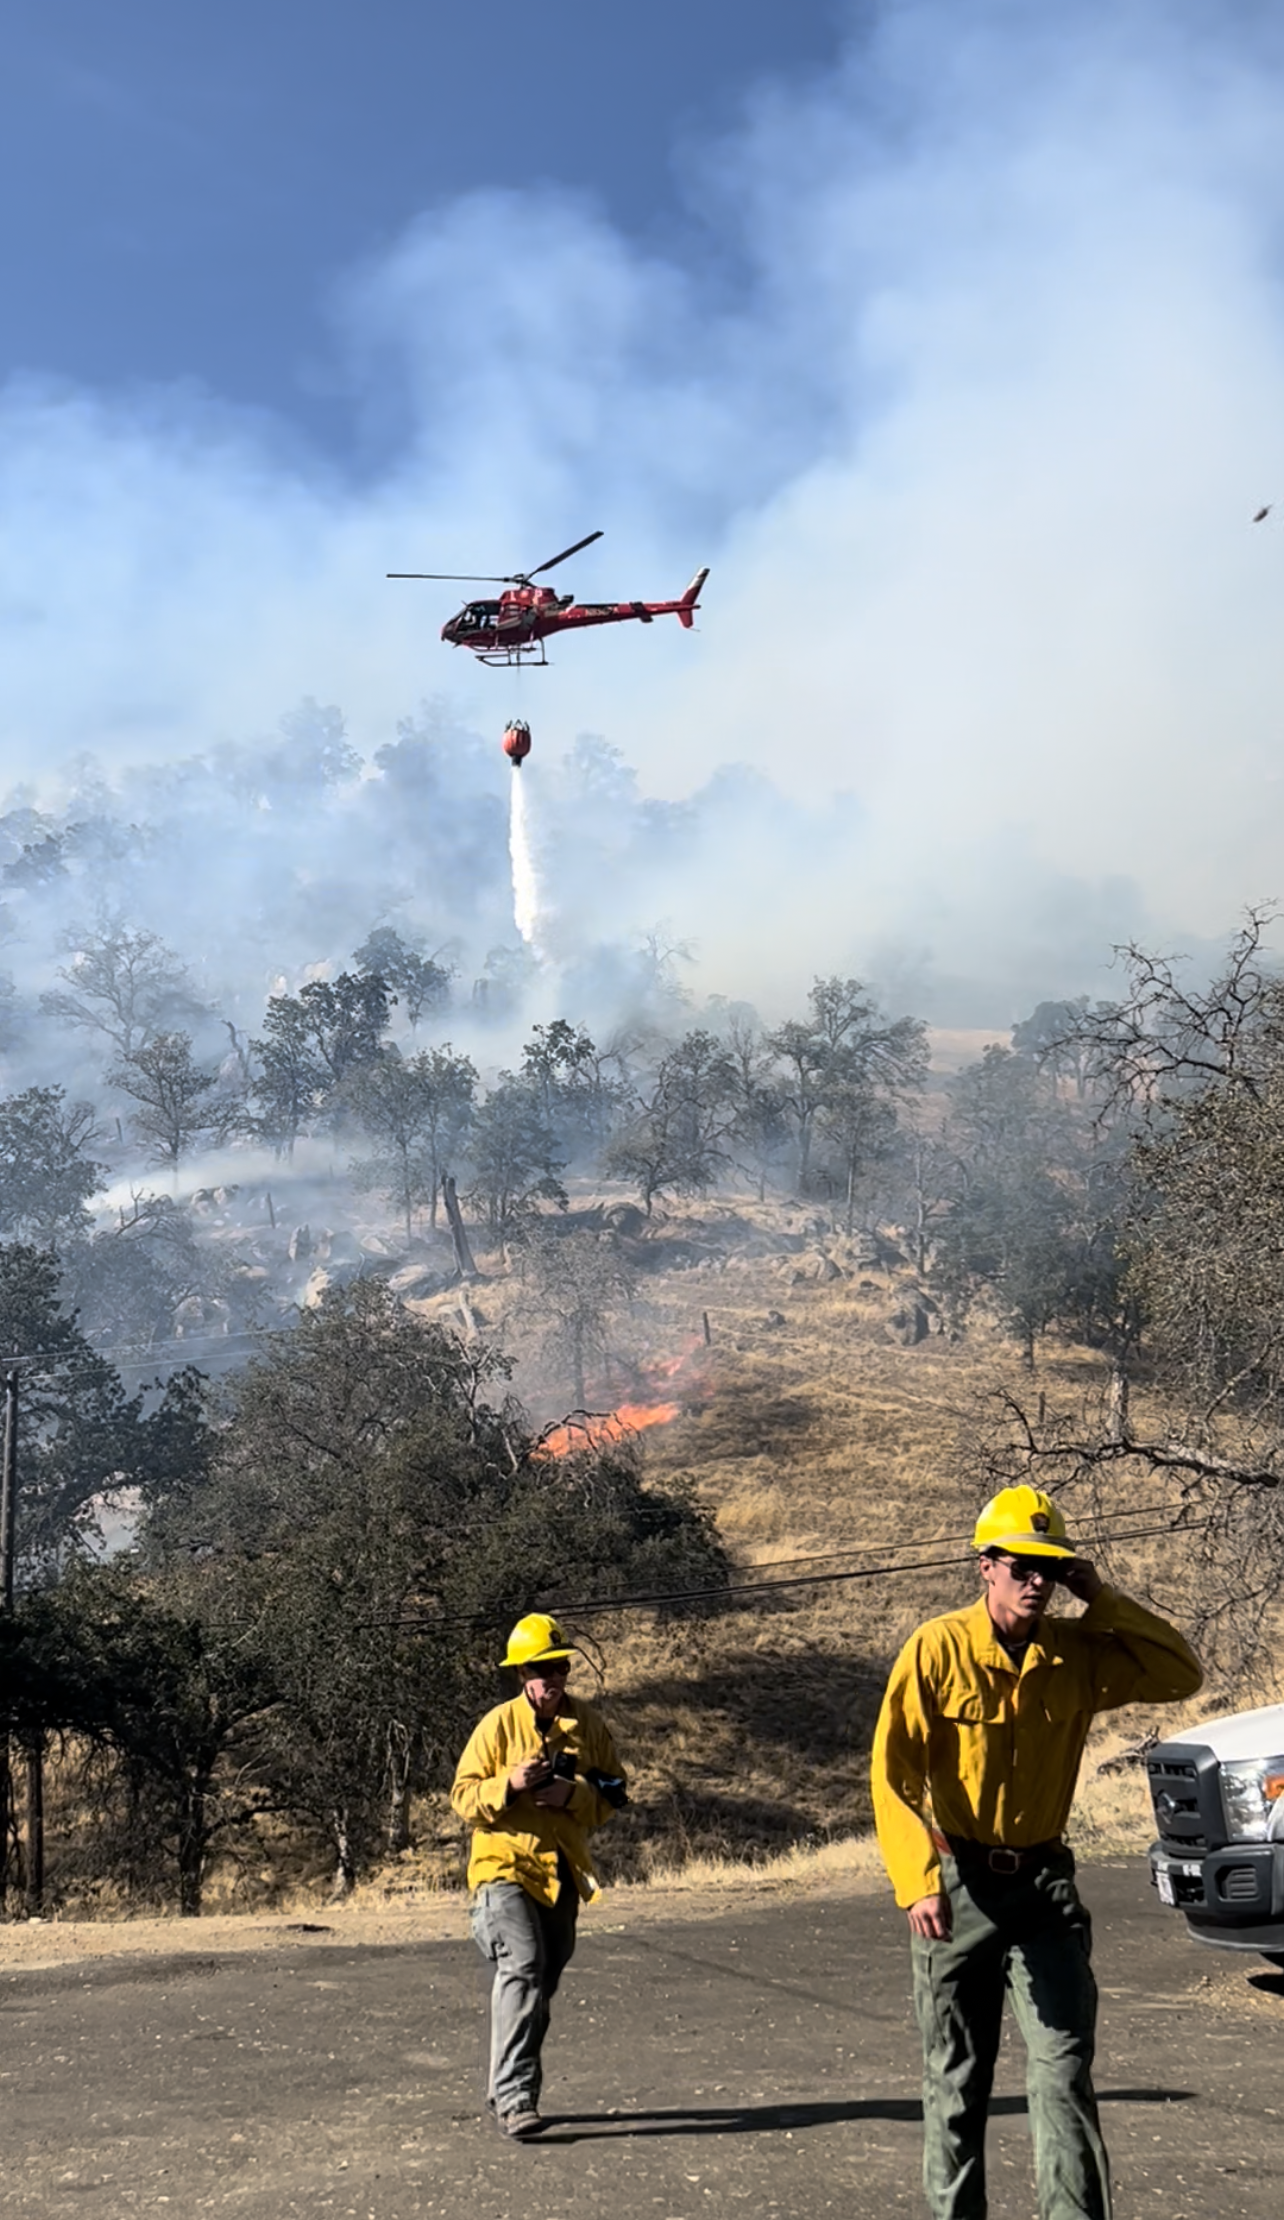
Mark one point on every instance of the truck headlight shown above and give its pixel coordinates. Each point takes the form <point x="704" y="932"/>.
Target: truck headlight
<point x="1253" y="1798"/>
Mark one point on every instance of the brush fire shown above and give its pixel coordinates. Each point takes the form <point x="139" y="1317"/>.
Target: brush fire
<point x="588" y="1431"/>
<point x="597" y="1430"/>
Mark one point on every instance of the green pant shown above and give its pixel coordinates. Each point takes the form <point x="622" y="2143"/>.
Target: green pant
<point x="1029" y="1935"/>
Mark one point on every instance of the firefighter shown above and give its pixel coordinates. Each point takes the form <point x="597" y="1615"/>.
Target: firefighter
<point x="538" y="1776"/>
<point x="976" y="1755"/>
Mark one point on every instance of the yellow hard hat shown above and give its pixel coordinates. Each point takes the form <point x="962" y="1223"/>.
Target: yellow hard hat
<point x="534" y="1638"/>
<point x="1023" y="1520"/>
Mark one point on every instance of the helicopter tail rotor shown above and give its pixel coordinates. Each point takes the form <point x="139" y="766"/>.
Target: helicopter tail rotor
<point x="690" y="601"/>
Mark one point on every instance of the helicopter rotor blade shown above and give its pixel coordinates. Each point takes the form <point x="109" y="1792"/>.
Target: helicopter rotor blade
<point x="488" y="578"/>
<point x="554" y="560"/>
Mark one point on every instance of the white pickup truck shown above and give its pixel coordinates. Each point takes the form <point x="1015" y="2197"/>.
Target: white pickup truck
<point x="1218" y="1795"/>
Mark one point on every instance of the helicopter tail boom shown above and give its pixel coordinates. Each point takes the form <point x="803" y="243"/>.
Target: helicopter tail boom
<point x="690" y="599"/>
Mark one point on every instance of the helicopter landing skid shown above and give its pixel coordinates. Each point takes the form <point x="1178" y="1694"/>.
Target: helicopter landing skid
<point x="528" y="652"/>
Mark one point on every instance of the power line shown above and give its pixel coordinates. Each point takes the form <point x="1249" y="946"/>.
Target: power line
<point x="73" y="1368"/>
<point x="678" y="1597"/>
<point x="1088" y="1527"/>
<point x="143" y="1353"/>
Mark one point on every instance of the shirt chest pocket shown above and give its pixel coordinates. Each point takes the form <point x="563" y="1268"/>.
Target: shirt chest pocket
<point x="1055" y="1697"/>
<point x="974" y="1710"/>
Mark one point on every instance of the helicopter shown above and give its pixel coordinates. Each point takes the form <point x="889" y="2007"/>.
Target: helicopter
<point x="513" y="628"/>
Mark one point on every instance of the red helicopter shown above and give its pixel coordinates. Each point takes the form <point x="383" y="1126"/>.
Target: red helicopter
<point x="513" y="629"/>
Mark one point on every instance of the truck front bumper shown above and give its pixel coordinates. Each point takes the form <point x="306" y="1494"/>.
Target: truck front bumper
<point x="1233" y="1897"/>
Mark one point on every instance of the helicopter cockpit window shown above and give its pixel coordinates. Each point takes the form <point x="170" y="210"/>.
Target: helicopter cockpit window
<point x="481" y="613"/>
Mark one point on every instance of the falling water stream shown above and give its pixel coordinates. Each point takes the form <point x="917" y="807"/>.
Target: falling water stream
<point x="525" y="883"/>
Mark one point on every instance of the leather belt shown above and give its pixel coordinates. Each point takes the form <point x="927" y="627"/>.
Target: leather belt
<point x="996" y="1857"/>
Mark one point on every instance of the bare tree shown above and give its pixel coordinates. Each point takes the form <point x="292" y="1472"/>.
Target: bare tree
<point x="1200" y="1069"/>
<point x="124" y="983"/>
<point x="926" y="1175"/>
<point x="1218" y="1514"/>
<point x="1169" y="1035"/>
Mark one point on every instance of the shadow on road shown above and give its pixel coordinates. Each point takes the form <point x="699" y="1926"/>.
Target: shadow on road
<point x="767" y="2119"/>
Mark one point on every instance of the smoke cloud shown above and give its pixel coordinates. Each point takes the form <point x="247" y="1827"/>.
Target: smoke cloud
<point x="967" y="388"/>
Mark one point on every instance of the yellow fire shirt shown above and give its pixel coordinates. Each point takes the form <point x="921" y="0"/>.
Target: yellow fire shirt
<point x="970" y="1745"/>
<point x="520" y="1841"/>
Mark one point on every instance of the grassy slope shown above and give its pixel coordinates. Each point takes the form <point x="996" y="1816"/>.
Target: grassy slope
<point x="749" y="1732"/>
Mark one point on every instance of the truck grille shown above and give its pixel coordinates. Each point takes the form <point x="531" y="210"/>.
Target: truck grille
<point x="1185" y="1793"/>
<point x="1174" y="1791"/>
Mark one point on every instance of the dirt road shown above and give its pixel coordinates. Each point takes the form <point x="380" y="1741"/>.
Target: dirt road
<point x="761" y="2061"/>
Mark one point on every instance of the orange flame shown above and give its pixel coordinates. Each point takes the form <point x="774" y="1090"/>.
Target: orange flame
<point x="597" y="1433"/>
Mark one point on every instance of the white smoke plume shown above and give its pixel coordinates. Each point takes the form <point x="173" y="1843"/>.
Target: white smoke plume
<point x="966" y="382"/>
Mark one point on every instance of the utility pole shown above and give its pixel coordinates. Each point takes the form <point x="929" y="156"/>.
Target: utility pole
<point x="8" y="1519"/>
<point x="36" y="1826"/>
<point x="34" y="1756"/>
<point x="9" y="1486"/>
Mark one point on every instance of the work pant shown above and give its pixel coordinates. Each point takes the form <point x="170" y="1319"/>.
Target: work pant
<point x="529" y="1945"/>
<point x="1028" y="1935"/>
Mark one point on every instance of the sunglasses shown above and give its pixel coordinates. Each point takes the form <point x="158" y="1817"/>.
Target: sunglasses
<point x="550" y="1668"/>
<point x="1033" y="1568"/>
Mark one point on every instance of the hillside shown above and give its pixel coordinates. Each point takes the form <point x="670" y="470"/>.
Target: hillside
<point x="806" y="1387"/>
<point x="811" y="1432"/>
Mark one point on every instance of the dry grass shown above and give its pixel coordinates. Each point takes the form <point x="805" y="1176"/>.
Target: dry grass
<point x="747" y="1734"/>
<point x="853" y="1862"/>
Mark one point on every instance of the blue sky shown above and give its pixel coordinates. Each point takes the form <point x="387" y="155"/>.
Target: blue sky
<point x="950" y="336"/>
<point x="181" y="188"/>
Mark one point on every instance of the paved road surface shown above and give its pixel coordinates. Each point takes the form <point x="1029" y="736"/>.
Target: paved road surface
<point x="763" y="2062"/>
